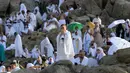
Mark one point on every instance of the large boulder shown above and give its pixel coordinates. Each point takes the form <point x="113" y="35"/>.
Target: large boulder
<point x="30" y="4"/>
<point x="108" y="60"/>
<point x="26" y="71"/>
<point x="77" y="12"/>
<point x="14" y="5"/>
<point x="78" y="68"/>
<point x="3" y="6"/>
<point x="99" y="3"/>
<point x="82" y="19"/>
<point x="109" y="7"/>
<point x="123" y="55"/>
<point x="52" y="36"/>
<point x="60" y="67"/>
<point x="105" y="17"/>
<point x="91" y="6"/>
<point x="104" y="69"/>
<point x="121" y="9"/>
<point x="33" y="39"/>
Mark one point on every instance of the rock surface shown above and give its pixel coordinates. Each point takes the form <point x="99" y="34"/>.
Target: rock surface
<point x="26" y="71"/>
<point x="104" y="69"/>
<point x="60" y="67"/>
<point x="109" y="60"/>
<point x="14" y="5"/>
<point x="3" y="6"/>
<point x="123" y="56"/>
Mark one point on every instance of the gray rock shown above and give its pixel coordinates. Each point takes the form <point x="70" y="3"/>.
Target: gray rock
<point x="121" y="9"/>
<point x="109" y="8"/>
<point x="123" y="55"/>
<point x="26" y="71"/>
<point x="99" y="3"/>
<point x="14" y="5"/>
<point x="77" y="13"/>
<point x="60" y="67"/>
<point x="104" y="69"/>
<point x="78" y="68"/>
<point x="108" y="60"/>
<point x="105" y="17"/>
<point x="3" y="6"/>
<point x="91" y="6"/>
<point x="30" y="4"/>
<point x="82" y="19"/>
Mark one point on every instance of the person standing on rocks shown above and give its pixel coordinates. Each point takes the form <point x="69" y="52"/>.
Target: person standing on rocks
<point x="65" y="50"/>
<point x="18" y="46"/>
<point x="97" y="21"/>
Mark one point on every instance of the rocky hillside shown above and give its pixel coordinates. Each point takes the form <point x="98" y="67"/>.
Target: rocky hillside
<point x="107" y="9"/>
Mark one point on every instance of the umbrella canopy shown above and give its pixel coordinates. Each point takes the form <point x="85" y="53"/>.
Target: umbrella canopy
<point x="91" y="25"/>
<point x="73" y="25"/>
<point x="118" y="43"/>
<point x="115" y="23"/>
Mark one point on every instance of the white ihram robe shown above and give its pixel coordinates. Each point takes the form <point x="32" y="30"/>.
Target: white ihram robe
<point x="18" y="46"/>
<point x="33" y="20"/>
<point x="9" y="31"/>
<point x="84" y="61"/>
<point x="44" y="16"/>
<point x="46" y="43"/>
<point x="35" y="52"/>
<point x="86" y="41"/>
<point x="93" y="50"/>
<point x="98" y="21"/>
<point x="39" y="17"/>
<point x="79" y="33"/>
<point x="65" y="50"/>
<point x="77" y="43"/>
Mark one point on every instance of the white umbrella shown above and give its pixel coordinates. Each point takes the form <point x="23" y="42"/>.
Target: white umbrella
<point x="118" y="43"/>
<point x="117" y="22"/>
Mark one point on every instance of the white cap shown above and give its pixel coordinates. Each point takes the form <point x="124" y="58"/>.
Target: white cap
<point x="15" y="61"/>
<point x="62" y="21"/>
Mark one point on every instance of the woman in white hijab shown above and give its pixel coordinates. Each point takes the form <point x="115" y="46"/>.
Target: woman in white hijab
<point x="100" y="54"/>
<point x="35" y="52"/>
<point x="23" y="7"/>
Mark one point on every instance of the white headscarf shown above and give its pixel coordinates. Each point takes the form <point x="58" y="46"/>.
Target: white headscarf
<point x="101" y="54"/>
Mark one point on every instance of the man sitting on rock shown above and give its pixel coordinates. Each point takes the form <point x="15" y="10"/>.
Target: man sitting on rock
<point x="14" y="67"/>
<point x="81" y="60"/>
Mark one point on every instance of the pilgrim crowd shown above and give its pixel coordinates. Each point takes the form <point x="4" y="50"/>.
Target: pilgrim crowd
<point x="80" y="48"/>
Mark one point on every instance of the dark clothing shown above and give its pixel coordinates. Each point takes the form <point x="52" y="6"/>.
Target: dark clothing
<point x="120" y="31"/>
